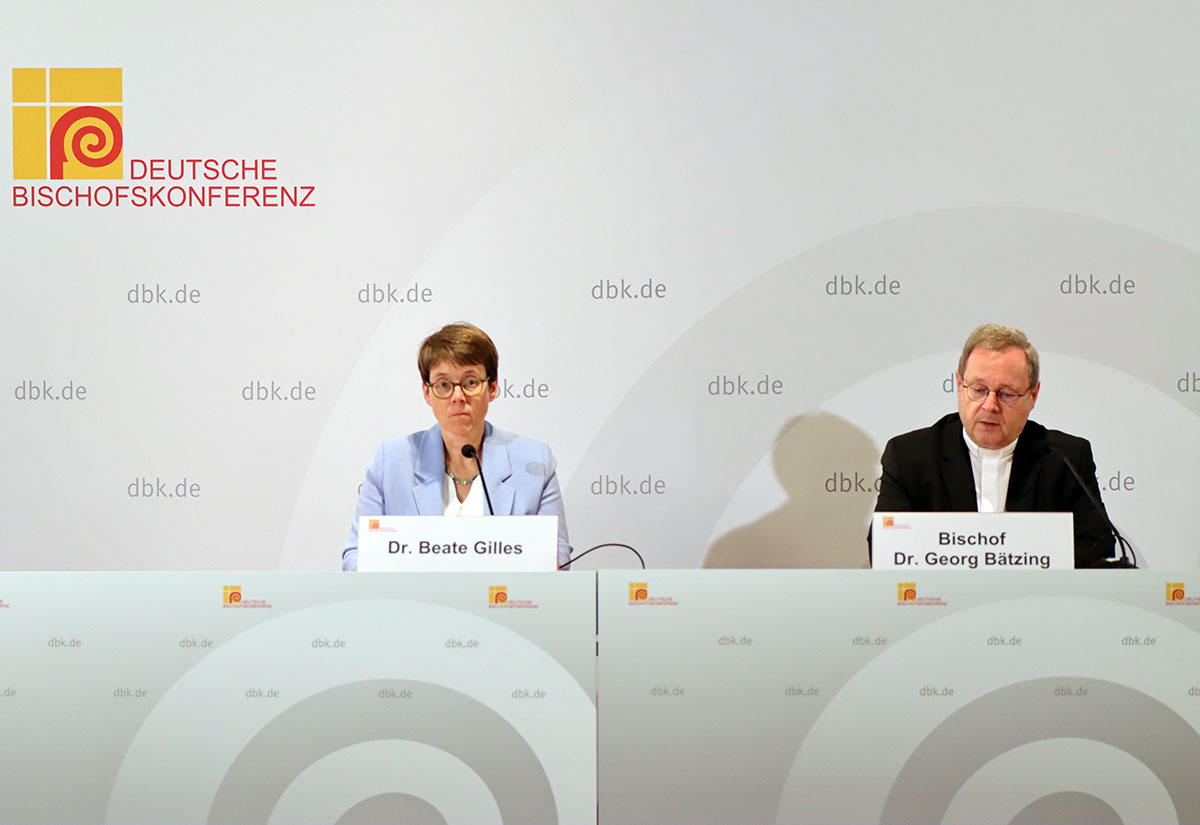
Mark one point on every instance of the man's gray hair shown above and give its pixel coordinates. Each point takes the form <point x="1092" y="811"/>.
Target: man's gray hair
<point x="994" y="337"/>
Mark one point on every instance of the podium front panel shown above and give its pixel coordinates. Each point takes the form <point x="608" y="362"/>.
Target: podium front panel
<point x="186" y="698"/>
<point x="867" y="696"/>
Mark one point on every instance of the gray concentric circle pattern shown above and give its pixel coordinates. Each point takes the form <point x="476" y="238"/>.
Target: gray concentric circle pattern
<point x="1114" y="714"/>
<point x="1068" y="808"/>
<point x="318" y="725"/>
<point x="398" y="808"/>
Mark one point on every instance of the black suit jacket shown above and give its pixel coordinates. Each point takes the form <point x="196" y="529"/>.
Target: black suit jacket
<point x="929" y="470"/>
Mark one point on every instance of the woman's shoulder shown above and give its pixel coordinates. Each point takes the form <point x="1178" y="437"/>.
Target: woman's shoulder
<point x="513" y="442"/>
<point x="407" y="445"/>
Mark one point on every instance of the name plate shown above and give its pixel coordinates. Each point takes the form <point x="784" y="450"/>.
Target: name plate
<point x="973" y="541"/>
<point x="516" y="544"/>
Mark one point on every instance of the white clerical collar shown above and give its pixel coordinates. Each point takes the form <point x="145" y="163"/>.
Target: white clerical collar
<point x="984" y="452"/>
<point x="992" y="470"/>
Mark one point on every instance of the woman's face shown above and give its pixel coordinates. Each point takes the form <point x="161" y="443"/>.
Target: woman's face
<point x="460" y="415"/>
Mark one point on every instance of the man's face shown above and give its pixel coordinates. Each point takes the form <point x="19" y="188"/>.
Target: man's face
<point x="988" y="422"/>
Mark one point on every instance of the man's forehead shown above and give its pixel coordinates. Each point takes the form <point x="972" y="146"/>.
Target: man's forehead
<point x="1007" y="359"/>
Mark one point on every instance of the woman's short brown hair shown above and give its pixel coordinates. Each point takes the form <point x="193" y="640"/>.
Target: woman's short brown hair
<point x="460" y="344"/>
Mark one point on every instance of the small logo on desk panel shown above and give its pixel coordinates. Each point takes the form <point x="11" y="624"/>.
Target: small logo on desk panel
<point x="231" y="596"/>
<point x="498" y="598"/>
<point x="639" y="593"/>
<point x="1177" y="596"/>
<point x="906" y="595"/>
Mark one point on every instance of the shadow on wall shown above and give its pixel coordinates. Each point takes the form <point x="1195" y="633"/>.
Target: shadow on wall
<point x="814" y="528"/>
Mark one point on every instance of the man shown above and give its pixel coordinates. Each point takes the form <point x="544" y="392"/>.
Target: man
<point x="990" y="457"/>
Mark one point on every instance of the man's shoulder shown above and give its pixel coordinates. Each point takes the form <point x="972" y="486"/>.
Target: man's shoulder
<point x="1063" y="441"/>
<point x="931" y="435"/>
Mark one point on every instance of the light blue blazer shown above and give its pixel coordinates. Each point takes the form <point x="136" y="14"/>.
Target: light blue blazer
<point x="407" y="477"/>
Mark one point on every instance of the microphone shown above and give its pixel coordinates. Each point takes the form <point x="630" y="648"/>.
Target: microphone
<point x="468" y="451"/>
<point x="1126" y="551"/>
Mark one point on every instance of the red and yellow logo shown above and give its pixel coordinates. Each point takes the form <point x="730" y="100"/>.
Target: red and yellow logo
<point x="1175" y="592"/>
<point x="889" y="521"/>
<point x="497" y="594"/>
<point x="67" y="124"/>
<point x="906" y="592"/>
<point x="232" y="594"/>
<point x="373" y="524"/>
<point x="638" y="592"/>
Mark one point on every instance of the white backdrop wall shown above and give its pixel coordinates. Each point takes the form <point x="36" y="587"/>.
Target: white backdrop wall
<point x="653" y="208"/>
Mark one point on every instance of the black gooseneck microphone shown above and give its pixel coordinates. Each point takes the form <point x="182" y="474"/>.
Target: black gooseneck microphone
<point x="469" y="451"/>
<point x="1126" y="551"/>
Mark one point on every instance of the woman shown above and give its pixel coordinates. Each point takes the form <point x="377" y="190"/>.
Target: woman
<point x="426" y="473"/>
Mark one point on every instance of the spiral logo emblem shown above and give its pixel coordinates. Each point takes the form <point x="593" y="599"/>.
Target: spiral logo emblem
<point x="907" y="592"/>
<point x="1175" y="592"/>
<point x="96" y="143"/>
<point x="235" y="598"/>
<point x="501" y="597"/>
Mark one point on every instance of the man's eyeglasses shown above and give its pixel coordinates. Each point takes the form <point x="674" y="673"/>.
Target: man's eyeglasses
<point x="978" y="393"/>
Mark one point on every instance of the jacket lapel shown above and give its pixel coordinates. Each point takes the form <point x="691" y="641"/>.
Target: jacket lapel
<point x="429" y="474"/>
<point x="956" y="468"/>
<point x="497" y="470"/>
<point x="1022" y="481"/>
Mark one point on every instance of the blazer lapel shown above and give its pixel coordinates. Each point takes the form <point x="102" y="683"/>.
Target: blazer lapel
<point x="429" y="474"/>
<point x="956" y="469"/>
<point x="497" y="470"/>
